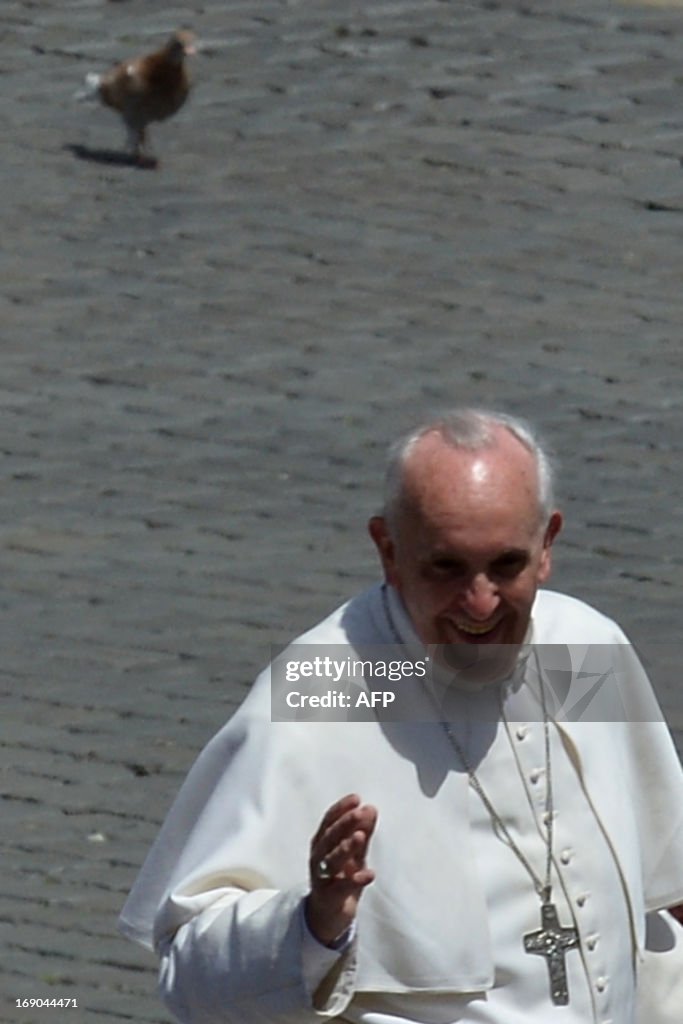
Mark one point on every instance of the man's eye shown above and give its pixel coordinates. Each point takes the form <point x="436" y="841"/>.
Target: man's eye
<point x="509" y="567"/>
<point x="447" y="567"/>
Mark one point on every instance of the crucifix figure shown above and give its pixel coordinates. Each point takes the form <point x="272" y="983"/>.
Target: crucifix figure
<point x="552" y="942"/>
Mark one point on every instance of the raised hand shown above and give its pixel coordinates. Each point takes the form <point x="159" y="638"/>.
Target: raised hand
<point x="337" y="867"/>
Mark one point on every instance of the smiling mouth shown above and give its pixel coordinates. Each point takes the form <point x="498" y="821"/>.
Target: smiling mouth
<point x="472" y="629"/>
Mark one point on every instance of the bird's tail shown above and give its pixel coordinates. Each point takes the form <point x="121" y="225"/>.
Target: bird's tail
<point x="91" y="87"/>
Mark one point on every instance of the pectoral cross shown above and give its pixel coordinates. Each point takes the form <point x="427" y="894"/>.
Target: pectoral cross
<point x="552" y="942"/>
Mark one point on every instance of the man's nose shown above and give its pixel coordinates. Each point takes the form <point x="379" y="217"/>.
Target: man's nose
<point x="481" y="598"/>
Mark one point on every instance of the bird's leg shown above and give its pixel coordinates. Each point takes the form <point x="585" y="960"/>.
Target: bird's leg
<point x="134" y="141"/>
<point x="137" y="147"/>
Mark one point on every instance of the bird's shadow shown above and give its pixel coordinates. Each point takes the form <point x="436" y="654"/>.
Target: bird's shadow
<point x="112" y="157"/>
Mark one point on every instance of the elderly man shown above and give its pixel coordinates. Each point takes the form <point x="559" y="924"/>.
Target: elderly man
<point x="492" y="865"/>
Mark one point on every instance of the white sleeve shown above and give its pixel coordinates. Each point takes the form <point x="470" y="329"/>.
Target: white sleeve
<point x="248" y="958"/>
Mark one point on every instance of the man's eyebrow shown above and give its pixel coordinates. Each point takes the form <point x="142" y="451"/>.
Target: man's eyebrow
<point x="446" y="554"/>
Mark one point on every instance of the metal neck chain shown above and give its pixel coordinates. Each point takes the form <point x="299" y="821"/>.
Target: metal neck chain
<point x="543" y="886"/>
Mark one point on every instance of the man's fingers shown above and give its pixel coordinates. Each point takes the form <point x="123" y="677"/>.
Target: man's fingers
<point x="341" y="842"/>
<point x="343" y="861"/>
<point x="363" y="877"/>
<point x="346" y="856"/>
<point x="333" y="813"/>
<point x="368" y="819"/>
<point x="355" y="858"/>
<point x="341" y="821"/>
<point x="357" y="819"/>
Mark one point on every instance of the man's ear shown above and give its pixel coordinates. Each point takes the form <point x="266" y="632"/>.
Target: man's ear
<point x="379" y="532"/>
<point x="551" y="531"/>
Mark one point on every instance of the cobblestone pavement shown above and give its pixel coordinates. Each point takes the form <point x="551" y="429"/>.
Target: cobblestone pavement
<point x="366" y="211"/>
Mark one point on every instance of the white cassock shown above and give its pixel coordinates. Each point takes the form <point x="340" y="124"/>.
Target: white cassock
<point x="439" y="936"/>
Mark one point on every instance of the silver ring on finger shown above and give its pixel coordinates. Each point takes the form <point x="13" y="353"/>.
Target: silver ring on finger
<point x="322" y="870"/>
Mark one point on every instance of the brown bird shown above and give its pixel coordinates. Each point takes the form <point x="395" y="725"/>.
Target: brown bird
<point x="147" y="88"/>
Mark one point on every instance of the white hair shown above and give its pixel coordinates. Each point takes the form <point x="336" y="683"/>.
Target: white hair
<point x="471" y="429"/>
